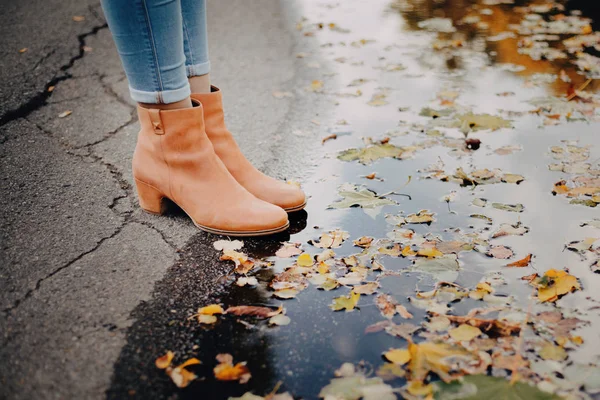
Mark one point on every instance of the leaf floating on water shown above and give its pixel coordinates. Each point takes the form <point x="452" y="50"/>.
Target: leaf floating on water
<point x="227" y="371"/>
<point x="367" y="288"/>
<point x="253" y="311"/>
<point x="289" y="250"/>
<point x="397" y="356"/>
<point x="477" y="387"/>
<point x="366" y="155"/>
<point x="354" y="196"/>
<point x="524" y="262"/>
<point x="444" y="268"/>
<point x="280" y="320"/>
<point x="551" y="351"/>
<point x="509" y="207"/>
<point x="305" y="260"/>
<point x="501" y="252"/>
<point x="554" y="284"/>
<point x="464" y="333"/>
<point x="422" y="217"/>
<point x="345" y="302"/>
<point x="363" y="241"/>
<point x="507" y="229"/>
<point x="512" y="178"/>
<point x="331" y="239"/>
<point x="354" y="385"/>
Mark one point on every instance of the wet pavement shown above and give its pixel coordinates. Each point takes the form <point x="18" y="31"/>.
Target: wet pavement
<point x="392" y="79"/>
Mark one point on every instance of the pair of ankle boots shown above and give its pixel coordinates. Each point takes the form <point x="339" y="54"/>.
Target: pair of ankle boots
<point x="189" y="157"/>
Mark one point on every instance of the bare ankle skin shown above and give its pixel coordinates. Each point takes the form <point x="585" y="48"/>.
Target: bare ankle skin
<point x="200" y="84"/>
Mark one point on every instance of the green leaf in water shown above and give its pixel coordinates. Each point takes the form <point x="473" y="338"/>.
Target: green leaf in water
<point x="477" y="387"/>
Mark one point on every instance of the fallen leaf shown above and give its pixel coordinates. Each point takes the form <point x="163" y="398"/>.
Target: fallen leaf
<point x="439" y="358"/>
<point x="328" y="137"/>
<point x="331" y="239"/>
<point x="397" y="356"/>
<point x="386" y="305"/>
<point x="288" y="250"/>
<point x="553" y="352"/>
<point x="223" y="245"/>
<point x="78" y="18"/>
<point x="345" y="302"/>
<point x="65" y="114"/>
<point x="363" y="241"/>
<point x="464" y="333"/>
<point x="512" y="178"/>
<point x="509" y="207"/>
<point x="367" y="155"/>
<point x="477" y="387"/>
<point x="367" y="288"/>
<point x="555" y="283"/>
<point x="164" y="362"/>
<point x="507" y="229"/>
<point x="305" y="260"/>
<point x="316" y="86"/>
<point x="501" y="252"/>
<point x="279" y="320"/>
<point x="253" y="311"/>
<point x="354" y="196"/>
<point x="524" y="262"/>
<point x="422" y="217"/>
<point x="227" y="371"/>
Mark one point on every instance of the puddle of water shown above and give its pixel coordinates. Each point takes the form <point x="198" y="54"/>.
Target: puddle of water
<point x="304" y="354"/>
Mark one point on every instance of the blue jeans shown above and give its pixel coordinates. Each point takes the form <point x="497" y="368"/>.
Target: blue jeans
<point x="161" y="43"/>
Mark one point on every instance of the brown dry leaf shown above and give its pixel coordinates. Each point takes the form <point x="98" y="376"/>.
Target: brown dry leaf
<point x="488" y="326"/>
<point x="422" y="217"/>
<point x="372" y="175"/>
<point x="243" y="264"/>
<point x="400" y="309"/>
<point x="393" y="251"/>
<point x="23" y="50"/>
<point x="254" y="311"/>
<point x="378" y="326"/>
<point x="510" y="230"/>
<point x="363" y="241"/>
<point x="331" y="239"/>
<point x="288" y="250"/>
<point x="512" y="178"/>
<point x="65" y="114"/>
<point x="328" y="137"/>
<point x="227" y="371"/>
<point x="387" y="305"/>
<point x="78" y="18"/>
<point x="555" y="283"/>
<point x="501" y="252"/>
<point x="367" y="288"/>
<point x="524" y="262"/>
<point x="164" y="362"/>
<point x="403" y="330"/>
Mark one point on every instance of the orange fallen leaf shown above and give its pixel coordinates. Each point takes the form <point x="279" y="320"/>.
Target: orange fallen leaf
<point x="253" y="311"/>
<point x="163" y="362"/>
<point x="524" y="262"/>
<point x="329" y="137"/>
<point x="227" y="371"/>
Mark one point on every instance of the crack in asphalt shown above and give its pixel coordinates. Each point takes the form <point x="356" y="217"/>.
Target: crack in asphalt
<point x="7" y="311"/>
<point x="41" y="98"/>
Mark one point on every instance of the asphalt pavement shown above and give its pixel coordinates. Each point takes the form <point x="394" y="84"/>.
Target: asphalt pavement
<point x="78" y="255"/>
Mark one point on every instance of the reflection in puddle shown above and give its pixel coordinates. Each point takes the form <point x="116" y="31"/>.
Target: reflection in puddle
<point x="405" y="96"/>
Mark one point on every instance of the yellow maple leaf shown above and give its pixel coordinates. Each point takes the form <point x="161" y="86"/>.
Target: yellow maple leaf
<point x="397" y="356"/>
<point x="429" y="252"/>
<point x="305" y="260"/>
<point x="464" y="332"/>
<point x="554" y="284"/>
<point x="345" y="302"/>
<point x="439" y="358"/>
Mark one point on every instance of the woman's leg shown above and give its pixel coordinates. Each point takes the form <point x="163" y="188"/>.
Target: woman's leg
<point x="195" y="39"/>
<point x="149" y="39"/>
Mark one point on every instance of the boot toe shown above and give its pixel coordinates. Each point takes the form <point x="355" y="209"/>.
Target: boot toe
<point x="290" y="198"/>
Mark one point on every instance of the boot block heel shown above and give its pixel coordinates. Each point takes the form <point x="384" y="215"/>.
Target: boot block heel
<point x="151" y="199"/>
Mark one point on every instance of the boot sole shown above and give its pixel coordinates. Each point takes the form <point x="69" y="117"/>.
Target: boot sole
<point x="223" y="232"/>
<point x="296" y="208"/>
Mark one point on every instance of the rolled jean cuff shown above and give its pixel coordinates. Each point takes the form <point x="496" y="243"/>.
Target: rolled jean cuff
<point x="162" y="97"/>
<point x="197" y="69"/>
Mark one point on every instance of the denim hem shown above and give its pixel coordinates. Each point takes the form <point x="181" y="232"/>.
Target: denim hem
<point x="162" y="97"/>
<point x="198" y="69"/>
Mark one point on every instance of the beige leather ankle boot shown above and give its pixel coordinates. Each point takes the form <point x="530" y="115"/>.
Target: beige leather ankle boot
<point x="286" y="196"/>
<point x="174" y="159"/>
